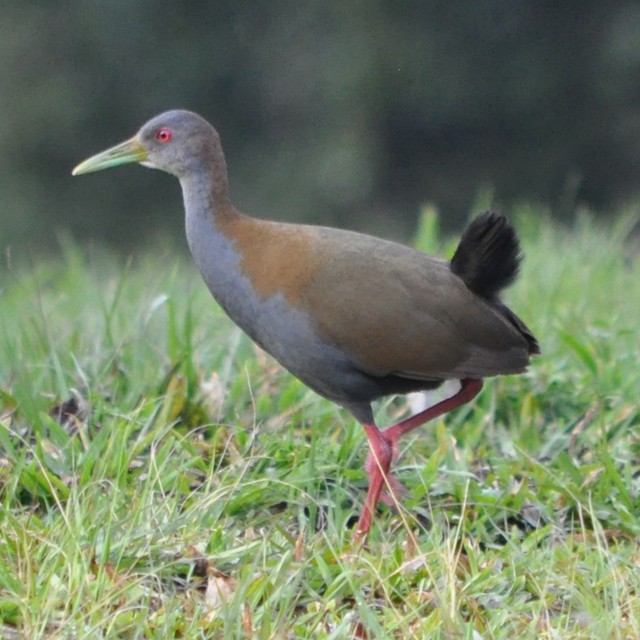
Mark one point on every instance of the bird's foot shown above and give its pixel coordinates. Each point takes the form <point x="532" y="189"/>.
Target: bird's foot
<point x="383" y="449"/>
<point x="392" y="495"/>
<point x="392" y="489"/>
<point x="377" y="467"/>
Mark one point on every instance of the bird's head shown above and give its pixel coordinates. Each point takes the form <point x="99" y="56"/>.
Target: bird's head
<point x="178" y="142"/>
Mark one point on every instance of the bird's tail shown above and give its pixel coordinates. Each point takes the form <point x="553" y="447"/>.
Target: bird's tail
<point x="487" y="260"/>
<point x="488" y="256"/>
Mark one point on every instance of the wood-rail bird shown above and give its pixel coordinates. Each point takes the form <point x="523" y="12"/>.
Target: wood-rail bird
<point x="353" y="316"/>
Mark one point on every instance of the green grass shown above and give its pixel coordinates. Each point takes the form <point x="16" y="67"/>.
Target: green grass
<point x="189" y="463"/>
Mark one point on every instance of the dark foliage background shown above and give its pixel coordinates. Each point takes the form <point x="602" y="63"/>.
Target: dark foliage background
<point x="352" y="114"/>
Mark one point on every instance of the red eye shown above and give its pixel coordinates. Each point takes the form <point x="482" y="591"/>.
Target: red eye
<point x="163" y="135"/>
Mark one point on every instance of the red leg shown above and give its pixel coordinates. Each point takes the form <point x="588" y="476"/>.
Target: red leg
<point x="377" y="468"/>
<point x="383" y="445"/>
<point x="392" y="489"/>
<point x="468" y="391"/>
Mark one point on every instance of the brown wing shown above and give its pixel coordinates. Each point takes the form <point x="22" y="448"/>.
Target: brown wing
<point x="398" y="311"/>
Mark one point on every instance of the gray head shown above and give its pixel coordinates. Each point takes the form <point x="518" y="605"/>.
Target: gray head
<point x="178" y="142"/>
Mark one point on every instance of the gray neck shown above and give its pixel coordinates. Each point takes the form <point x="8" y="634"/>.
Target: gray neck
<point x="214" y="253"/>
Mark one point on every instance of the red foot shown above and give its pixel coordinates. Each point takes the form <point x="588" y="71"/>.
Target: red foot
<point x="383" y="445"/>
<point x="392" y="489"/>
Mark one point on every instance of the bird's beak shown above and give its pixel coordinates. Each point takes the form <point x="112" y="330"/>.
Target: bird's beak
<point x="128" y="151"/>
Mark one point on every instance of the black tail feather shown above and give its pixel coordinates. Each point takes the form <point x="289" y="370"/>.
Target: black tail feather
<point x="488" y="256"/>
<point x="487" y="260"/>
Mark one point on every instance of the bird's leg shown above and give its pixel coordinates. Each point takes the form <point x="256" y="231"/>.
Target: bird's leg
<point x="468" y="391"/>
<point x="383" y="445"/>
<point x="377" y="468"/>
<point x="393" y="487"/>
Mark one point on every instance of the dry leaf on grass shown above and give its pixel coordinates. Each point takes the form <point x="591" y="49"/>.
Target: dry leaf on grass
<point x="298" y="550"/>
<point x="220" y="590"/>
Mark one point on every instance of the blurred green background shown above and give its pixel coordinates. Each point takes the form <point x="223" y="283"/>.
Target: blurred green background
<point x="351" y="114"/>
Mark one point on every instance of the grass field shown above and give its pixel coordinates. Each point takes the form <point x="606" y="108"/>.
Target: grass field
<point x="162" y="478"/>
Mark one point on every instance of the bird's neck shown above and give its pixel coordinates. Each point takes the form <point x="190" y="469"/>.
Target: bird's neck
<point x="208" y="211"/>
<point x="218" y="181"/>
<point x="210" y="219"/>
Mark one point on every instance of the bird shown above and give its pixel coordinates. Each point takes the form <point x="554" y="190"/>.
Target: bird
<point x="353" y="316"/>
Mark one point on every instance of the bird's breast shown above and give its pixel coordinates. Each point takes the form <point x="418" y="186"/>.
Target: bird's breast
<point x="259" y="280"/>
